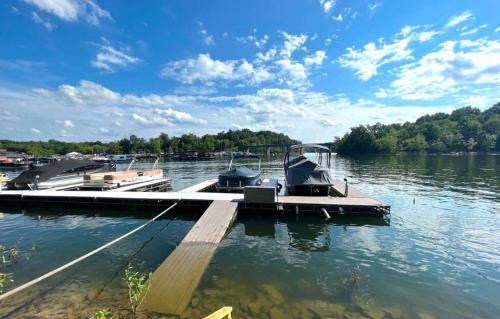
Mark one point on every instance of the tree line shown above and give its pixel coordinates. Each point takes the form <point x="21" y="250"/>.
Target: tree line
<point x="465" y="129"/>
<point x="223" y="141"/>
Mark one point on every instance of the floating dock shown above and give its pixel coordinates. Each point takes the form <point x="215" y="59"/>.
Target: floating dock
<point x="355" y="203"/>
<point x="174" y="282"/>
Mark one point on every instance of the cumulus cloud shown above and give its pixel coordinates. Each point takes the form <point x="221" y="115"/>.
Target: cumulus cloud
<point x="316" y="59"/>
<point x="35" y="130"/>
<point x="204" y="68"/>
<point x="110" y="58"/>
<point x="292" y="43"/>
<point x="456" y="64"/>
<point x="72" y="10"/>
<point x="365" y="62"/>
<point x="458" y="19"/>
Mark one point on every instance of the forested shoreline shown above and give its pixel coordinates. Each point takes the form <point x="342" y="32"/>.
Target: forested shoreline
<point x="223" y="141"/>
<point x="466" y="129"/>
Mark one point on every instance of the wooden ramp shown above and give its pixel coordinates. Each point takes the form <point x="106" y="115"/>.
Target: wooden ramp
<point x="174" y="282"/>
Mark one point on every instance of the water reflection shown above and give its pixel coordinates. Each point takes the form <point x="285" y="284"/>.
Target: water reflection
<point x="437" y="257"/>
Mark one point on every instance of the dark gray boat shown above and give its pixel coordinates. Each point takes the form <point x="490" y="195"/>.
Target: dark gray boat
<point x="237" y="177"/>
<point x="305" y="177"/>
<point x="57" y="170"/>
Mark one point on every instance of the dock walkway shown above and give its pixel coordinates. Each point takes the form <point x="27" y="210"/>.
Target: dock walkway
<point x="174" y="282"/>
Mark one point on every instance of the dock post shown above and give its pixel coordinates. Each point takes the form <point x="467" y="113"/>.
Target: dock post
<point x="327" y="216"/>
<point x="346" y="191"/>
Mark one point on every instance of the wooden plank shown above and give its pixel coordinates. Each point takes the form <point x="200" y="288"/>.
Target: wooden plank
<point x="140" y="185"/>
<point x="353" y="192"/>
<point x="213" y="224"/>
<point x="175" y="281"/>
<point x="199" y="187"/>
<point x="329" y="201"/>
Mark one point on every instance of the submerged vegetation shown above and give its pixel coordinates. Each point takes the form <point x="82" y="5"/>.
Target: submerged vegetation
<point x="465" y="129"/>
<point x="224" y="141"/>
<point x="137" y="284"/>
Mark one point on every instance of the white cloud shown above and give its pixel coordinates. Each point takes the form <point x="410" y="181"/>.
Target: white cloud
<point x="339" y="18"/>
<point x="207" y="38"/>
<point x="456" y="20"/>
<point x="292" y="73"/>
<point x="473" y="31"/>
<point x="204" y="68"/>
<point x="103" y="130"/>
<point x="46" y="23"/>
<point x="109" y="58"/>
<point x="68" y="123"/>
<point x="258" y="42"/>
<point x="178" y="117"/>
<point x="328" y="123"/>
<point x="72" y="10"/>
<point x="365" y="62"/>
<point x="292" y="43"/>
<point x="456" y="64"/>
<point x="316" y="59"/>
<point x="327" y="5"/>
<point x="374" y="6"/>
<point x="497" y="29"/>
<point x="35" y="130"/>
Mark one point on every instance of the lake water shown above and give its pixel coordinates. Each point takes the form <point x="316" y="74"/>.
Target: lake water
<point x="437" y="255"/>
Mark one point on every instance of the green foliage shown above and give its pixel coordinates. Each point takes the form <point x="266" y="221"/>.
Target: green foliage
<point x="465" y="129"/>
<point x="137" y="284"/>
<point x="224" y="141"/>
<point x="4" y="279"/>
<point x="102" y="314"/>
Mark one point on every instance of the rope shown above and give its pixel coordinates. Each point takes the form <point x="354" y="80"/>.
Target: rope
<point x="77" y="260"/>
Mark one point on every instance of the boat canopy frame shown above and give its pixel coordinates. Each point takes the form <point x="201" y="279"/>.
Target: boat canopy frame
<point x="239" y="156"/>
<point x="319" y="150"/>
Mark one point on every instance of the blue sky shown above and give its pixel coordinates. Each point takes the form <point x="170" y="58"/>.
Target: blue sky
<point x="101" y="70"/>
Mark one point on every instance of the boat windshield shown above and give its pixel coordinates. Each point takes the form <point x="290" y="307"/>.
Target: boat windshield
<point x="240" y="160"/>
<point x="317" y="153"/>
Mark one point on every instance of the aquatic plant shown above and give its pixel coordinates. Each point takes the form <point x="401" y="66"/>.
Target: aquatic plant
<point x="4" y="279"/>
<point x="137" y="284"/>
<point x="13" y="253"/>
<point x="102" y="314"/>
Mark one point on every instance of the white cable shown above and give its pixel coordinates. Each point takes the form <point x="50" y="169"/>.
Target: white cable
<point x="71" y="263"/>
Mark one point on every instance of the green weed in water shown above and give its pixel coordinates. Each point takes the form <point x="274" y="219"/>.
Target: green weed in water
<point x="102" y="314"/>
<point x="13" y="253"/>
<point x="137" y="284"/>
<point x="4" y="279"/>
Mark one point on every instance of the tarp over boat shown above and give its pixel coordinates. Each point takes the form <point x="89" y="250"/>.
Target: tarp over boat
<point x="242" y="171"/>
<point x="52" y="169"/>
<point x="303" y="171"/>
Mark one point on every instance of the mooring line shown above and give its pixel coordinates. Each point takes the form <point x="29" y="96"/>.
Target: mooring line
<point x="77" y="260"/>
<point x="129" y="260"/>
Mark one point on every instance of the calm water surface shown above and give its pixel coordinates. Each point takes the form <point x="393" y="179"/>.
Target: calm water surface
<point x="436" y="256"/>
